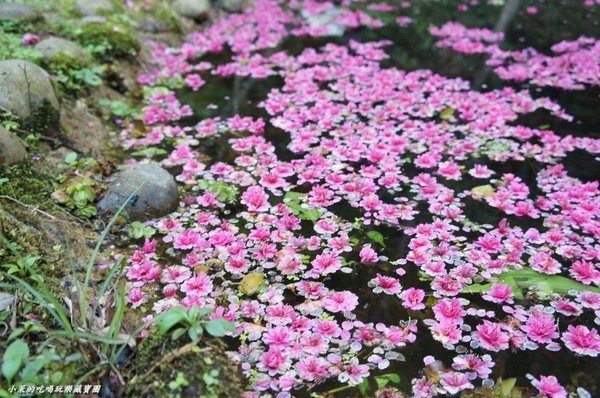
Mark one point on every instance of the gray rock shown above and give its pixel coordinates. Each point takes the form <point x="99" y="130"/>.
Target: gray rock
<point x="26" y="91"/>
<point x="11" y="149"/>
<point x="92" y="7"/>
<point x="157" y="196"/>
<point x="98" y="19"/>
<point x="194" y="9"/>
<point x="56" y="46"/>
<point x="152" y="25"/>
<point x="233" y="5"/>
<point x="18" y="12"/>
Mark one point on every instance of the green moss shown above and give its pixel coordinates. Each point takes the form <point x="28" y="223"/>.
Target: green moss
<point x="114" y="38"/>
<point x="205" y="371"/>
<point x="164" y="12"/>
<point x="44" y="119"/>
<point x="27" y="184"/>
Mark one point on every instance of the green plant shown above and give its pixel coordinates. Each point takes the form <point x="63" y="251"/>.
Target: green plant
<point x="23" y="265"/>
<point x="138" y="230"/>
<point x="98" y="341"/>
<point x="12" y="48"/>
<point x="117" y="108"/>
<point x="78" y="193"/>
<point x="226" y="193"/>
<point x="194" y="321"/>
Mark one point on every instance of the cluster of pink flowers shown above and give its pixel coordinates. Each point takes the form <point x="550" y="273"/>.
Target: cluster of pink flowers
<point x="389" y="147"/>
<point x="573" y="66"/>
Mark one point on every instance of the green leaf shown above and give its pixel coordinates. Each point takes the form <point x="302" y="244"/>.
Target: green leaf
<point x="363" y="387"/>
<point x="33" y="368"/>
<point x="218" y="327"/>
<point x="15" y="356"/>
<point x="293" y="201"/>
<point x="170" y="318"/>
<point x="526" y="278"/>
<point x="376" y="237"/>
<point x="71" y="158"/>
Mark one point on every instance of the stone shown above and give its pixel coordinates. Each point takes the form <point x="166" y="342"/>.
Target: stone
<point x="194" y="9"/>
<point x="53" y="47"/>
<point x="153" y="25"/>
<point x="92" y="7"/>
<point x="232" y="5"/>
<point x="26" y="91"/>
<point x="157" y="196"/>
<point x="12" y="150"/>
<point x="18" y="12"/>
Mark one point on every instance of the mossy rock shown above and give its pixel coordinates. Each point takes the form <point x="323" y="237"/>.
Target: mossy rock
<point x="27" y="91"/>
<point x="119" y="39"/>
<point x="204" y="371"/>
<point x="62" y="52"/>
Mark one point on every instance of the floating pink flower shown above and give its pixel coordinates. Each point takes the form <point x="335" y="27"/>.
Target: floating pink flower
<point x="256" y="199"/>
<point x="199" y="285"/>
<point x="491" y="336"/>
<point x="549" y="387"/>
<point x="582" y="340"/>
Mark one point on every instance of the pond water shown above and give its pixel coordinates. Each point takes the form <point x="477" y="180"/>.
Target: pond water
<point x="414" y="48"/>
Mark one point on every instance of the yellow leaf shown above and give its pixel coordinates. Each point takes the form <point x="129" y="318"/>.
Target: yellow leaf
<point x="447" y="113"/>
<point x="483" y="191"/>
<point x="251" y="282"/>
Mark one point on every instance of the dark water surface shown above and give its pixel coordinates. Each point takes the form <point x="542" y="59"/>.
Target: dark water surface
<point x="414" y="48"/>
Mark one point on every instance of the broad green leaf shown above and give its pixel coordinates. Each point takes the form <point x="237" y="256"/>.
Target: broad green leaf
<point x="170" y="318"/>
<point x="218" y="327"/>
<point x="293" y="200"/>
<point x="15" y="356"/>
<point x="364" y="387"/>
<point x="523" y="279"/>
<point x="376" y="237"/>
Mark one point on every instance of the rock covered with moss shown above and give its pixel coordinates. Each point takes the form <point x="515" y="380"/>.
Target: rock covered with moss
<point x="11" y="149"/>
<point x="93" y="7"/>
<point x="18" y="12"/>
<point x="26" y="91"/>
<point x="56" y="48"/>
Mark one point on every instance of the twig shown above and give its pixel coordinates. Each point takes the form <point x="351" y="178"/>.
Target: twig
<point x="33" y="208"/>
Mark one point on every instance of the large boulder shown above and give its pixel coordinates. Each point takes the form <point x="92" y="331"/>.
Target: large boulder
<point x="92" y="7"/>
<point x="194" y="9"/>
<point x="26" y="91"/>
<point x="156" y="194"/>
<point x="18" y="12"/>
<point x="12" y="150"/>
<point x="53" y="48"/>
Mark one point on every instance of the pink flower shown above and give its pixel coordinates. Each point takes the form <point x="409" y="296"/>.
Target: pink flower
<point x="550" y="387"/>
<point x="312" y="368"/>
<point x="543" y="262"/>
<point x="194" y="81"/>
<point x="541" y="327"/>
<point x="482" y="366"/>
<point x="353" y="372"/>
<point x="279" y="337"/>
<point x="454" y="382"/>
<point x="412" y="298"/>
<point x="450" y="310"/>
<point x="340" y="302"/>
<point x="585" y="272"/>
<point x="324" y="264"/>
<point x="385" y="284"/>
<point x="491" y="337"/>
<point x="30" y="39"/>
<point x="500" y="293"/>
<point x="256" y="199"/>
<point x="136" y="297"/>
<point x="368" y="255"/>
<point x="582" y="340"/>
<point x="199" y="285"/>
<point x="273" y="361"/>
